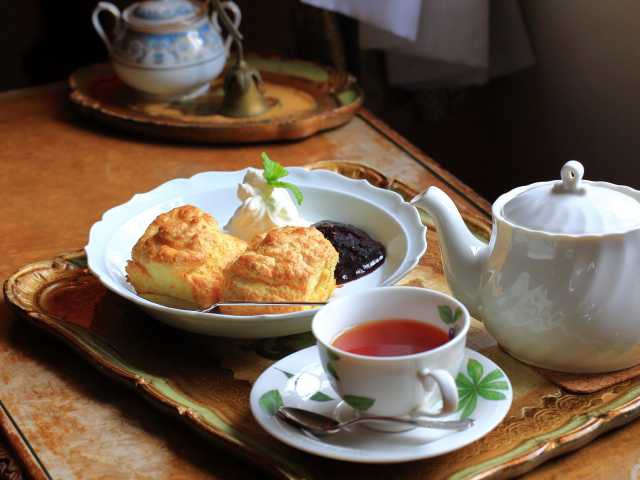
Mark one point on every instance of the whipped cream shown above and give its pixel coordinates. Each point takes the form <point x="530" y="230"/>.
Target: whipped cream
<point x="263" y="208"/>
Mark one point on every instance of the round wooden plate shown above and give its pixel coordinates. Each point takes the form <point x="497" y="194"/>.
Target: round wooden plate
<point x="306" y="98"/>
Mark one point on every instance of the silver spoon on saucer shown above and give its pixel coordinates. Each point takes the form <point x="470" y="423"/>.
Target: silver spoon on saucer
<point x="261" y="304"/>
<point x="320" y="424"/>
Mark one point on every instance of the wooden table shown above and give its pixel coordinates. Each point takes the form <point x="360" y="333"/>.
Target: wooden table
<point x="59" y="174"/>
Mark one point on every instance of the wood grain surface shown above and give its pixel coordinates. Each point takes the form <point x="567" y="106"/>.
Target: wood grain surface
<point x="59" y="174"/>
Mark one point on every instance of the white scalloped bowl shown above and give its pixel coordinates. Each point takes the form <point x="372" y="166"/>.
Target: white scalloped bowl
<point x="328" y="196"/>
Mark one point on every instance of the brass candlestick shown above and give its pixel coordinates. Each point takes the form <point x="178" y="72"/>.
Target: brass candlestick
<point x="242" y="83"/>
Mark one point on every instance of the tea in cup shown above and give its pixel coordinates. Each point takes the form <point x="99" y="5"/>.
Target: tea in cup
<point x="394" y="350"/>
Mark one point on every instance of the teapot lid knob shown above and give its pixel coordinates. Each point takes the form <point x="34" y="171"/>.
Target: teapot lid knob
<point x="571" y="175"/>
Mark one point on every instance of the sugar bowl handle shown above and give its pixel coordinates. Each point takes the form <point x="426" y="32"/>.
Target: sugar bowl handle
<point x="95" y="19"/>
<point x="447" y="386"/>
<point x="237" y="17"/>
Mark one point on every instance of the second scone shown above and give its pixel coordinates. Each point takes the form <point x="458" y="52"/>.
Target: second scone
<point x="287" y="264"/>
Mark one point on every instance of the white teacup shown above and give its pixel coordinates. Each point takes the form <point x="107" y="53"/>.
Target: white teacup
<point x="394" y="385"/>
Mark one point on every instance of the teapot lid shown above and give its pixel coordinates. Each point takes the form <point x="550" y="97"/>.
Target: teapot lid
<point x="574" y="206"/>
<point x="158" y="13"/>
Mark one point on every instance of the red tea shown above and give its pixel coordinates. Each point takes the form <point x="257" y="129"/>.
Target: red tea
<point x="390" y="338"/>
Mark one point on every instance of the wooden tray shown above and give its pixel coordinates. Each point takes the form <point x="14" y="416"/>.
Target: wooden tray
<point x="306" y="98"/>
<point x="206" y="381"/>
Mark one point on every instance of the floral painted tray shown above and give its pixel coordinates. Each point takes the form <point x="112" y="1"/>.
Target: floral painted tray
<point x="206" y="381"/>
<point x="305" y="98"/>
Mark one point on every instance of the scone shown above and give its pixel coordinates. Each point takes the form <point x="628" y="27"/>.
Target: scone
<point x="181" y="257"/>
<point x="288" y="264"/>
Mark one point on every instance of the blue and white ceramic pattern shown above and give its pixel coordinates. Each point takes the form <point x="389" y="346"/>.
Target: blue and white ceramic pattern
<point x="166" y="49"/>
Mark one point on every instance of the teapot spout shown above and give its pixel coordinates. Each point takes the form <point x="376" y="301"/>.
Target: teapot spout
<point x="463" y="255"/>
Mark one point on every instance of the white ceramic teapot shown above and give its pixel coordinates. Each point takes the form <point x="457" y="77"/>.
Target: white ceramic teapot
<point x="166" y="49"/>
<point x="558" y="286"/>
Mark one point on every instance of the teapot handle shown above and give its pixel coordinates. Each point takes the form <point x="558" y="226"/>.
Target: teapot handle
<point x="104" y="7"/>
<point x="237" y="17"/>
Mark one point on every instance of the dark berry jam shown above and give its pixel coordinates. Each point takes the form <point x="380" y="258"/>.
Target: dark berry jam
<point x="359" y="253"/>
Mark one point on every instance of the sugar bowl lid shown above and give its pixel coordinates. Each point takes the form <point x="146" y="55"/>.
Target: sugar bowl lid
<point x="574" y="206"/>
<point x="160" y="13"/>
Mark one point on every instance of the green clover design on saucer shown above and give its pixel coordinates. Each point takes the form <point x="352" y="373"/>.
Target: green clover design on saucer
<point x="476" y="385"/>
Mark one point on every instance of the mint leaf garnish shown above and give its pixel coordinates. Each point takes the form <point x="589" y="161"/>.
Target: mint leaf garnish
<point x="273" y="172"/>
<point x="292" y="188"/>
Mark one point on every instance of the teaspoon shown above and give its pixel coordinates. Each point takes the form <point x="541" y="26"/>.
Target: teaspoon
<point x="261" y="304"/>
<point x="320" y="424"/>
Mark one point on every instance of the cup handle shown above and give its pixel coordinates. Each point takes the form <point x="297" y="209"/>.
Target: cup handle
<point x="237" y="17"/>
<point x="95" y="19"/>
<point x="447" y="386"/>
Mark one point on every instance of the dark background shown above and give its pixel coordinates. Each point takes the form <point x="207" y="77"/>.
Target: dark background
<point x="578" y="102"/>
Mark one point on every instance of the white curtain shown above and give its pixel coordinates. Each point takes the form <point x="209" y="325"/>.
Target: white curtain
<point x="432" y="43"/>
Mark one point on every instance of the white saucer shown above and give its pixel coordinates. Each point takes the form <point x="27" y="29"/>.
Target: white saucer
<point x="299" y="381"/>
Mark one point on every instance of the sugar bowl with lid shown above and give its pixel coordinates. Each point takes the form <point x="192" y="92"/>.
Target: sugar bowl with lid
<point x="557" y="285"/>
<point x="166" y="49"/>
